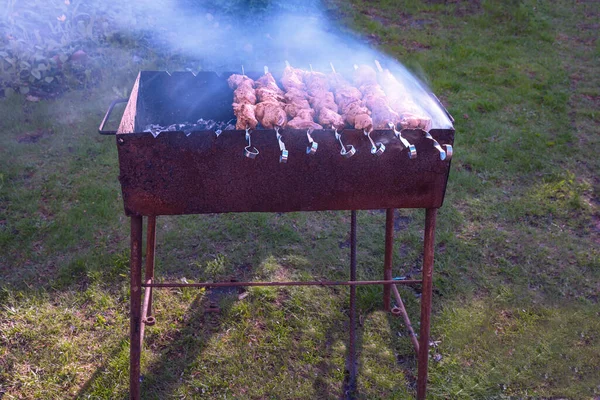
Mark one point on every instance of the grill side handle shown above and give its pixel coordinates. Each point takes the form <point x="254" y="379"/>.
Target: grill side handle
<point x="107" y="117"/>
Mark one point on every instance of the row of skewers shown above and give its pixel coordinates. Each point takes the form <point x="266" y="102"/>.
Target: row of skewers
<point x="314" y="100"/>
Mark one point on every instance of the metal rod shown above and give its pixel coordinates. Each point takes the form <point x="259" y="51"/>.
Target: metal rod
<point x="352" y="348"/>
<point x="150" y="258"/>
<point x="135" y="320"/>
<point x="411" y="332"/>
<point x="426" y="295"/>
<point x="292" y="283"/>
<point x="389" y="255"/>
<point x="145" y="310"/>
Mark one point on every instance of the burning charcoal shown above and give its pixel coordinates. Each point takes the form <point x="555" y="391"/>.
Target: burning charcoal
<point x="188" y="128"/>
<point x="154" y="129"/>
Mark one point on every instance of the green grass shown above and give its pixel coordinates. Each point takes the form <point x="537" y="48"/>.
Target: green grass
<point x="517" y="246"/>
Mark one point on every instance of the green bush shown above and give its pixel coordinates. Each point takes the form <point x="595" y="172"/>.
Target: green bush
<point x="53" y="45"/>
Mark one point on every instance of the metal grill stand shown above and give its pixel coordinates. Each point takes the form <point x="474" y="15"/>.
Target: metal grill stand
<point x="141" y="313"/>
<point x="178" y="173"/>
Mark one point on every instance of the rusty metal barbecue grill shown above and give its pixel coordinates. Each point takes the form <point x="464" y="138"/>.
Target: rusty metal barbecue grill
<point x="202" y="172"/>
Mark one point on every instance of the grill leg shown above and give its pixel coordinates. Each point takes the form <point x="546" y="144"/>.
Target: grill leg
<point x="149" y="274"/>
<point x="426" y="295"/>
<point x="351" y="389"/>
<point x="135" y="286"/>
<point x="150" y="248"/>
<point x="389" y="255"/>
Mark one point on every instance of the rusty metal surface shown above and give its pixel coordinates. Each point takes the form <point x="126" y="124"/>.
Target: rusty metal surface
<point x="150" y="256"/>
<point x="145" y="311"/>
<point x="290" y="283"/>
<point x="352" y="362"/>
<point x="426" y="295"/>
<point x="389" y="256"/>
<point x="402" y="311"/>
<point x="135" y="266"/>
<point x="203" y="173"/>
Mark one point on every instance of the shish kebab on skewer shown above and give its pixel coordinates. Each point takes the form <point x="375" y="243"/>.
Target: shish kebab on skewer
<point x="374" y="98"/>
<point x="308" y="95"/>
<point x="349" y="101"/>
<point x="322" y="100"/>
<point x="412" y="116"/>
<point x="244" y="101"/>
<point x="297" y="100"/>
<point x="270" y="110"/>
<point x="365" y="78"/>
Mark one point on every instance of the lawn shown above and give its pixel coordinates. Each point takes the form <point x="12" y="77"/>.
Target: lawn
<point x="517" y="267"/>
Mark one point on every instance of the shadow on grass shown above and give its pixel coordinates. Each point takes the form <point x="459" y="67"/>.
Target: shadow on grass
<point x="189" y="339"/>
<point x="164" y="376"/>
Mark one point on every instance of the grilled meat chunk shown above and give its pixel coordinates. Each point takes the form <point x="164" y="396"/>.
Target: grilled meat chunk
<point x="270" y="115"/>
<point x="297" y="100"/>
<point x="244" y="100"/>
<point x="270" y="110"/>
<point x="267" y="81"/>
<point x="299" y="123"/>
<point x="374" y="97"/>
<point x="322" y="100"/>
<point x="350" y="103"/>
<point x="292" y="78"/>
<point x="245" y="115"/>
<point x="328" y="117"/>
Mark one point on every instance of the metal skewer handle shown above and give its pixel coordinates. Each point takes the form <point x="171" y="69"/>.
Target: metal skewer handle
<point x="376" y="148"/>
<point x="449" y="151"/>
<point x="412" y="150"/>
<point x="312" y="145"/>
<point x="284" y="153"/>
<point x="437" y="146"/>
<point x="250" y="151"/>
<point x="347" y="151"/>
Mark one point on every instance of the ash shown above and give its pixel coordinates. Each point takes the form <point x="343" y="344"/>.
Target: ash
<point x="189" y="127"/>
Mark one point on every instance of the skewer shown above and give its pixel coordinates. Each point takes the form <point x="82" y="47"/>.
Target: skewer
<point x="312" y="145"/>
<point x="449" y="151"/>
<point x="311" y="69"/>
<point x="284" y="153"/>
<point x="250" y="151"/>
<point x="266" y="70"/>
<point x="287" y="64"/>
<point x="412" y="150"/>
<point x="243" y="73"/>
<point x="332" y="68"/>
<point x="378" y="66"/>
<point x="376" y="148"/>
<point x="437" y="146"/>
<point x="347" y="150"/>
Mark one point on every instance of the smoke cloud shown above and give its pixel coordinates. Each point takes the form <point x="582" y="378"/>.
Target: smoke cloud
<point x="223" y="36"/>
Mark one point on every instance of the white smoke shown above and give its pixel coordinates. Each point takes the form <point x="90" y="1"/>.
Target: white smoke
<point x="308" y="40"/>
<point x="211" y="37"/>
